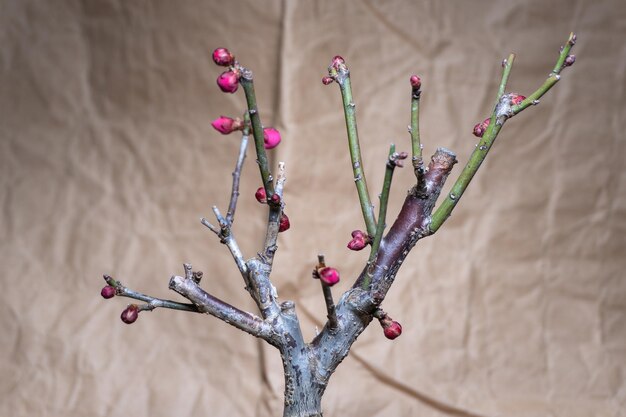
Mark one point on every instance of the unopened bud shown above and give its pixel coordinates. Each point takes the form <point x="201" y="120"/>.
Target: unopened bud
<point x="260" y="195"/>
<point x="481" y="128"/>
<point x="130" y="314"/>
<point x="107" y="292"/>
<point x="271" y="138"/>
<point x="328" y="275"/>
<point x="416" y="82"/>
<point x="228" y="81"/>
<point x="284" y="223"/>
<point x="275" y="199"/>
<point x="327" y="80"/>
<point x="359" y="240"/>
<point x="569" y="60"/>
<point x="392" y="330"/>
<point x="226" y="125"/>
<point x="223" y="57"/>
<point x="337" y="60"/>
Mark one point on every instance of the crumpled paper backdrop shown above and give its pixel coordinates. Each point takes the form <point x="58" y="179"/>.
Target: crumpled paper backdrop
<point x="516" y="308"/>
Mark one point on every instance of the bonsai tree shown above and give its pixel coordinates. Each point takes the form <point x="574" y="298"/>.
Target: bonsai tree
<point x="308" y="365"/>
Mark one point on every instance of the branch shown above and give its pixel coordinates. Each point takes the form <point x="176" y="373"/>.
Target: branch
<point x="328" y="297"/>
<point x="229" y="240"/>
<point x="152" y="302"/>
<point x="504" y="109"/>
<point x="394" y="160"/>
<point x="410" y="226"/>
<point x="206" y="303"/>
<point x="247" y="83"/>
<point x="338" y="71"/>
<point x="414" y="129"/>
<point x="238" y="167"/>
<point x="273" y="222"/>
<point x="565" y="60"/>
<point x="498" y="117"/>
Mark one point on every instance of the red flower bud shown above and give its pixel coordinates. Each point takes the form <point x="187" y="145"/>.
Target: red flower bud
<point x="416" y="82"/>
<point x="359" y="240"/>
<point x="260" y="195"/>
<point x="271" y="137"/>
<point x="328" y="275"/>
<point x="130" y="314"/>
<point x="107" y="292"/>
<point x="223" y="57"/>
<point x="228" y="81"/>
<point x="392" y="330"/>
<point x="569" y="60"/>
<point x="275" y="199"/>
<point x="327" y="80"/>
<point x="226" y="125"/>
<point x="284" y="223"/>
<point x="516" y="99"/>
<point x="480" y="128"/>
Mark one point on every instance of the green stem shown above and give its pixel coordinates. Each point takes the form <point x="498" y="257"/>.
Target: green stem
<point x="247" y="83"/>
<point x="343" y="79"/>
<point x="416" y="145"/>
<point x="498" y="117"/>
<point x="554" y="77"/>
<point x="384" y="199"/>
<point x="382" y="214"/>
<point x="477" y="158"/>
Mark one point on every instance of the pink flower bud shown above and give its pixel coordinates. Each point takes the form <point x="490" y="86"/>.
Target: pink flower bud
<point x="392" y="330"/>
<point x="327" y="80"/>
<point x="357" y="244"/>
<point x="260" y="195"/>
<point x="329" y="276"/>
<point x="228" y="81"/>
<point x="271" y="137"/>
<point x="517" y="99"/>
<point x="284" y="223"/>
<point x="130" y="314"/>
<point x="480" y="128"/>
<point x="569" y="60"/>
<point x="107" y="292"/>
<point x="337" y="60"/>
<point x="416" y="82"/>
<point x="226" y="125"/>
<point x="223" y="57"/>
<point x="359" y="240"/>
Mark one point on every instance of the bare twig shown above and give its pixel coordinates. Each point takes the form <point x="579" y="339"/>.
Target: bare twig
<point x="226" y="237"/>
<point x="232" y="206"/>
<point x="328" y="297"/>
<point x="152" y="302"/>
<point x="212" y="228"/>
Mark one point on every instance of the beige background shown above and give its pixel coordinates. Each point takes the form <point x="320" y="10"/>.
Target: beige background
<point x="517" y="307"/>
